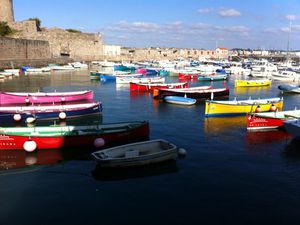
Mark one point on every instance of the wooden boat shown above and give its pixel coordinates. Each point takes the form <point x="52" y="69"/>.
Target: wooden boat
<point x="151" y="87"/>
<point x="56" y="137"/>
<point x="44" y="97"/>
<point x="37" y="70"/>
<point x="180" y="100"/>
<point x="212" y="77"/>
<point x="136" y="154"/>
<point x="252" y="83"/>
<point x="293" y="127"/>
<point x="109" y="75"/>
<point x="240" y="107"/>
<point x="270" y="120"/>
<point x="140" y="80"/>
<point x="201" y="92"/>
<point x="10" y="114"/>
<point x="289" y="88"/>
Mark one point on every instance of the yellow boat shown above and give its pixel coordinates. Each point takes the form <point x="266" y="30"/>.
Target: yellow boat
<point x="240" y="107"/>
<point x="252" y="83"/>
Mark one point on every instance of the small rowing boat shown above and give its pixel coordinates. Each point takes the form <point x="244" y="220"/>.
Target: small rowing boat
<point x="136" y="154"/>
<point x="180" y="100"/>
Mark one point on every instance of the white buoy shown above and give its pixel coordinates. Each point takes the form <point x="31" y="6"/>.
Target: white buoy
<point x="17" y="117"/>
<point x="62" y="115"/>
<point x="63" y="99"/>
<point x="29" y="146"/>
<point x="27" y="100"/>
<point x="30" y="120"/>
<point x="99" y="142"/>
<point x="181" y="152"/>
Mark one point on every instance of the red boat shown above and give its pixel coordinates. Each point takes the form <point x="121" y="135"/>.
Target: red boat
<point x="270" y="120"/>
<point x="187" y="76"/>
<point x="56" y="137"/>
<point x="151" y="87"/>
<point x="202" y="92"/>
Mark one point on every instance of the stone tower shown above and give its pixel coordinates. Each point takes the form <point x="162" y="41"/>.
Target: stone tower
<point x="6" y="11"/>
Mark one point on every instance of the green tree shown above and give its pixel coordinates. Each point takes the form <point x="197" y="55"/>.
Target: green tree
<point x="38" y="22"/>
<point x="73" y="31"/>
<point x="5" y="30"/>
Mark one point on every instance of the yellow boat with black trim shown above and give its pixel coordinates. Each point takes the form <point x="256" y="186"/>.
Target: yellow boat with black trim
<point x="239" y="107"/>
<point x="252" y="83"/>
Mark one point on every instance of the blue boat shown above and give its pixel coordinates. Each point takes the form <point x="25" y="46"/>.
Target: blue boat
<point x="28" y="114"/>
<point x="180" y="100"/>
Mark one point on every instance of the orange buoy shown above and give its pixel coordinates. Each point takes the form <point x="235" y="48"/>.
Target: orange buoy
<point x="258" y="109"/>
<point x="273" y="108"/>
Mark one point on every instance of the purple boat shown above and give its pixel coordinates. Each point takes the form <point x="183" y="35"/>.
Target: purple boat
<point x="10" y="98"/>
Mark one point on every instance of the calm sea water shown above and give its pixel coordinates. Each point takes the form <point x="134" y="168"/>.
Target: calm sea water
<point x="229" y="176"/>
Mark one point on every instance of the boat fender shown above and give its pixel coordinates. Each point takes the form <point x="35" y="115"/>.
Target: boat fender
<point x="27" y="101"/>
<point x="63" y="99"/>
<point x="62" y="115"/>
<point x="30" y="120"/>
<point x="273" y="108"/>
<point x="17" y="117"/>
<point x="258" y="109"/>
<point x="99" y="142"/>
<point x="181" y="152"/>
<point x="29" y="145"/>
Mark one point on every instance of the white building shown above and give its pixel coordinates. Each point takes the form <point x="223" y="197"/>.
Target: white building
<point x="111" y="50"/>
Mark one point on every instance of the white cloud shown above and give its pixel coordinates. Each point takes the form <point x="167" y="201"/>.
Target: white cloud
<point x="229" y="13"/>
<point x="291" y="17"/>
<point x="205" y="10"/>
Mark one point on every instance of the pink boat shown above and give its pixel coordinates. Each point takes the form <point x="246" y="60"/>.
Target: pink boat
<point x="141" y="70"/>
<point x="9" y="98"/>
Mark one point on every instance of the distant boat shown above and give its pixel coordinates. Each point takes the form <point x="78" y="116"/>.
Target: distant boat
<point x="213" y="77"/>
<point x="56" y="137"/>
<point x="239" y="107"/>
<point x="136" y="154"/>
<point x="289" y="88"/>
<point x="252" y="83"/>
<point x="44" y="97"/>
<point x="180" y="100"/>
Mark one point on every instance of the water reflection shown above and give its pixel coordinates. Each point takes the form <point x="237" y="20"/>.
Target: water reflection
<point x="111" y="174"/>
<point x="215" y="125"/>
<point x="292" y="149"/>
<point x="266" y="137"/>
<point x="18" y="158"/>
<point x="251" y="90"/>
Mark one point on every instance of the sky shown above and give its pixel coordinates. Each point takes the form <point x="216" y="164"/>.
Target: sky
<point x="200" y="24"/>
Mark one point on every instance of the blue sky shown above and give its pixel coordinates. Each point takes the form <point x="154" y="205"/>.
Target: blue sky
<point x="255" y="24"/>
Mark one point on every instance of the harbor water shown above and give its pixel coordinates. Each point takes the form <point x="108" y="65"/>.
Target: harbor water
<point x="229" y="175"/>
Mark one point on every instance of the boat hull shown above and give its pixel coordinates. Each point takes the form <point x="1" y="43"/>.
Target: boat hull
<point x="206" y="93"/>
<point x="48" y="113"/>
<point x="180" y="100"/>
<point x="214" y="108"/>
<point x="136" y="154"/>
<point x="252" y="83"/>
<point x="7" y="98"/>
<point x="151" y="87"/>
<point x="112" y="134"/>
